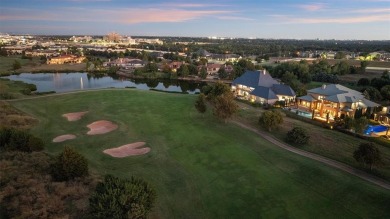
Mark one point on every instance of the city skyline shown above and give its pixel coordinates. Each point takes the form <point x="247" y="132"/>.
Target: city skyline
<point x="341" y="20"/>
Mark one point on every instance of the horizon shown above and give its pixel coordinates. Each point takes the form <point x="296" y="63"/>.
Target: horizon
<point x="278" y="20"/>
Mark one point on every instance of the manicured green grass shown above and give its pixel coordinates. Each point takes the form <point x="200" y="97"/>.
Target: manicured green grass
<point x="200" y="167"/>
<point x="329" y="143"/>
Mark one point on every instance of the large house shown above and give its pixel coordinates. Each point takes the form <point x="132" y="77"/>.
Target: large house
<point x="125" y="63"/>
<point x="333" y="100"/>
<point x="259" y="86"/>
<point x="65" y="59"/>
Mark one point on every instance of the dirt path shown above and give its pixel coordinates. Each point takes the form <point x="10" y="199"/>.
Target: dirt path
<point x="341" y="166"/>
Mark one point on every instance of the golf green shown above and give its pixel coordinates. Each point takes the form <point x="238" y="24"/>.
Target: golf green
<point x="199" y="166"/>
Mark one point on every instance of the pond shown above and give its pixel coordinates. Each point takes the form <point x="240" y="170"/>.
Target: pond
<point x="65" y="82"/>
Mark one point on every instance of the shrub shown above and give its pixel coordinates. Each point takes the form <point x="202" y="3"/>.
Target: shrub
<point x="69" y="165"/>
<point x="363" y="82"/>
<point x="367" y="154"/>
<point x="270" y="119"/>
<point x="17" y="140"/>
<point x="200" y="103"/>
<point x="298" y="135"/>
<point x="119" y="198"/>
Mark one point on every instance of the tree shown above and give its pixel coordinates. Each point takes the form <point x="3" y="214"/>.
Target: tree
<point x="200" y="103"/>
<point x="270" y="119"/>
<point x="69" y="165"/>
<point x="298" y="135"/>
<point x="215" y="90"/>
<point x="222" y="74"/>
<point x="183" y="71"/>
<point x="120" y="198"/>
<point x="151" y="67"/>
<point x="367" y="154"/>
<point x="224" y="106"/>
<point x="363" y="66"/>
<point x="359" y="124"/>
<point x="340" y="55"/>
<point x="385" y="75"/>
<point x="363" y="82"/>
<point x="222" y="99"/>
<point x="203" y="72"/>
<point x="374" y="94"/>
<point x="288" y="77"/>
<point x="16" y="65"/>
<point x="385" y="91"/>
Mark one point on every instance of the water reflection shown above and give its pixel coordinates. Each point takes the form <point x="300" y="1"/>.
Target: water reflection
<point x="64" y="82"/>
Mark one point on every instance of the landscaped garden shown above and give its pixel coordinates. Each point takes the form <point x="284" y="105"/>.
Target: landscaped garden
<point x="201" y="167"/>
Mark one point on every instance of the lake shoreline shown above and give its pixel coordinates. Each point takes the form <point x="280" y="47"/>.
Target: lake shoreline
<point x="65" y="82"/>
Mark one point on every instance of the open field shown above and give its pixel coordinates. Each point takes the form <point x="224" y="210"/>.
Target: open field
<point x="325" y="142"/>
<point x="35" y="65"/>
<point x="200" y="167"/>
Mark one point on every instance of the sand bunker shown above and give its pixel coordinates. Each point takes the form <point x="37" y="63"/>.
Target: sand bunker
<point x="101" y="127"/>
<point x="74" y="116"/>
<point x="128" y="150"/>
<point x="62" y="138"/>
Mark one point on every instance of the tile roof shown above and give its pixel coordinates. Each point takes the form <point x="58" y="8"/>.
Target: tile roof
<point x="282" y="89"/>
<point x="264" y="85"/>
<point x="340" y="94"/>
<point x="264" y="92"/>
<point x="308" y="97"/>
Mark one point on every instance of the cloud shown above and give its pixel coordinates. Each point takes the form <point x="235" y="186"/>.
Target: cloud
<point x="190" y="5"/>
<point x="370" y="10"/>
<point x="339" y="20"/>
<point x="312" y="7"/>
<point x="235" y="18"/>
<point x="127" y="15"/>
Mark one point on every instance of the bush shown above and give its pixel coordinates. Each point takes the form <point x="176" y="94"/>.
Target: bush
<point x="270" y="120"/>
<point x="298" y="135"/>
<point x="17" y="140"/>
<point x="367" y="154"/>
<point x="69" y="165"/>
<point x="119" y="198"/>
<point x="363" y="82"/>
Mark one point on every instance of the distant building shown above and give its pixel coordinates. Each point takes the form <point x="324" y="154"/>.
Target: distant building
<point x="260" y="87"/>
<point x="113" y="37"/>
<point x="65" y="59"/>
<point x="37" y="53"/>
<point x="125" y="63"/>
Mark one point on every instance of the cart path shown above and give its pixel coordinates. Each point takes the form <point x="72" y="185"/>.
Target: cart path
<point x="341" y="166"/>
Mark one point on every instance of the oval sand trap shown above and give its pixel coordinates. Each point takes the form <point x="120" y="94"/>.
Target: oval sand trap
<point x="74" y="116"/>
<point x="62" y="138"/>
<point x="101" y="127"/>
<point x="128" y="150"/>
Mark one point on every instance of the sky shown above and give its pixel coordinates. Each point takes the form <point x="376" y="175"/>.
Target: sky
<point x="277" y="19"/>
